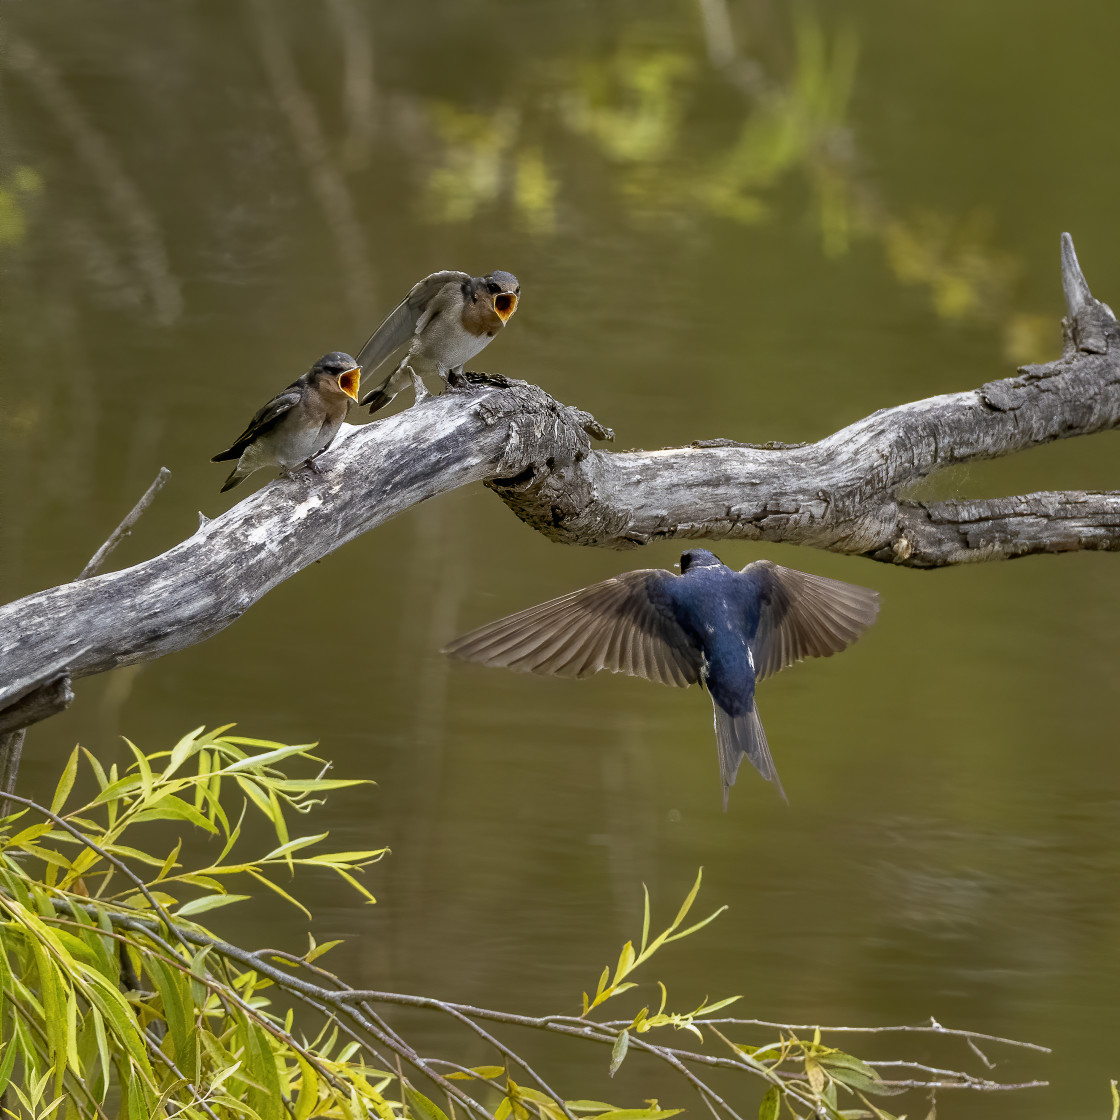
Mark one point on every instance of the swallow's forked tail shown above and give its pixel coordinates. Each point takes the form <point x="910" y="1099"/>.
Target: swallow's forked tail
<point x="236" y="475"/>
<point x="377" y="398"/>
<point x="389" y="388"/>
<point x="743" y="735"/>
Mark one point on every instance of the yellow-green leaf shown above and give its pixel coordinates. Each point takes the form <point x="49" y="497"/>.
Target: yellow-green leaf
<point x="690" y="898"/>
<point x="771" y="1104"/>
<point x="172" y="808"/>
<point x="815" y="1074"/>
<point x="66" y="782"/>
<point x="308" y="1089"/>
<point x="423" y="1108"/>
<point x="484" y="1073"/>
<point x="618" y="1051"/>
<point x="208" y="902"/>
<point x="257" y="761"/>
<point x="183" y="750"/>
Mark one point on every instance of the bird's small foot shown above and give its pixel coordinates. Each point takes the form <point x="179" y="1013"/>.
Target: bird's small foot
<point x="457" y="379"/>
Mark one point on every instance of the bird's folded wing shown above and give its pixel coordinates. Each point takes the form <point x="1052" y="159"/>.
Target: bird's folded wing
<point x="613" y="625"/>
<point x="265" y="419"/>
<point x="806" y="616"/>
<point x="402" y="320"/>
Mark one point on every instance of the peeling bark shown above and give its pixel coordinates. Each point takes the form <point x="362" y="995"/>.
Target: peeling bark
<point x="845" y="493"/>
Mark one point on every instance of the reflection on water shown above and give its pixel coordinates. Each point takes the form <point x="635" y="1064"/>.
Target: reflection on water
<point x="728" y="220"/>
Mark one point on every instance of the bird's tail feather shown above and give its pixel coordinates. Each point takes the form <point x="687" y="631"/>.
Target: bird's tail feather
<point x="377" y="400"/>
<point x="743" y="735"/>
<point x="236" y="476"/>
<point x="384" y="393"/>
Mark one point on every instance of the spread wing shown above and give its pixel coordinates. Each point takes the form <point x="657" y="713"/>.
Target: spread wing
<point x="402" y="320"/>
<point x="264" y="420"/>
<point x="806" y="616"/>
<point x="615" y="625"/>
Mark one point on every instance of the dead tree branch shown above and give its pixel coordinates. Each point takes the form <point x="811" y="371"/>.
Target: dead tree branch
<point x="844" y="493"/>
<point x="97" y="561"/>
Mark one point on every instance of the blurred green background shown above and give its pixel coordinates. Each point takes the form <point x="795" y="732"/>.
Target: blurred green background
<point x="742" y="219"/>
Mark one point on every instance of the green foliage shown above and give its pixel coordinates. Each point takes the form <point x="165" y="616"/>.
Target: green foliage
<point x="113" y="997"/>
<point x="115" y="1000"/>
<point x="629" y="960"/>
<point x="97" y="1004"/>
<point x="806" y="1074"/>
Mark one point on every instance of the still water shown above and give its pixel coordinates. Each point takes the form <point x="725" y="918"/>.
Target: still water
<point x="838" y="208"/>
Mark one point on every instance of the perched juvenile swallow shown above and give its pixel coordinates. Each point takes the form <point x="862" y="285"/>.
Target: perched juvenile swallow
<point x="299" y="424"/>
<point x="450" y="317"/>
<point x="712" y="624"/>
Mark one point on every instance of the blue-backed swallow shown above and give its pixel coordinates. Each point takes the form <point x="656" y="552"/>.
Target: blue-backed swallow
<point x="449" y="317"/>
<point x="299" y="424"/>
<point x="712" y="624"/>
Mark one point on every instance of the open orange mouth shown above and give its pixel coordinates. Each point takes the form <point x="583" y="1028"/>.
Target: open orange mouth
<point x="348" y="382"/>
<point x="505" y="304"/>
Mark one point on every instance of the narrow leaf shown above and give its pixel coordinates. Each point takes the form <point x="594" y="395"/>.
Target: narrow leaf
<point x="423" y="1108"/>
<point x="66" y="782"/>
<point x="771" y="1104"/>
<point x="257" y="761"/>
<point x="618" y="1051"/>
<point x="208" y="902"/>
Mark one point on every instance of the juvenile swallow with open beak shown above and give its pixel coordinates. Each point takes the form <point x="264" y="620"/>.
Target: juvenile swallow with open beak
<point x="726" y="629"/>
<point x="299" y="424"/>
<point x="449" y="317"/>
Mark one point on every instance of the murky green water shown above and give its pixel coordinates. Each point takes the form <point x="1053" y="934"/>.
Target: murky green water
<point x="857" y="208"/>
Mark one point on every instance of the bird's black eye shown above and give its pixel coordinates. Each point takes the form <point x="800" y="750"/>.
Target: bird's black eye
<point x="493" y="288"/>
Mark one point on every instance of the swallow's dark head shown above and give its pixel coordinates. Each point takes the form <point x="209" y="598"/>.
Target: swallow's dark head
<point x="503" y="291"/>
<point x="338" y="369"/>
<point x="699" y="558"/>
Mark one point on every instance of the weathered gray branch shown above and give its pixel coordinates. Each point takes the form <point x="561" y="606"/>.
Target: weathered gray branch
<point x="845" y="493"/>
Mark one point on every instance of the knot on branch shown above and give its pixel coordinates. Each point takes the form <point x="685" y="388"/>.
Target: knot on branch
<point x="546" y="473"/>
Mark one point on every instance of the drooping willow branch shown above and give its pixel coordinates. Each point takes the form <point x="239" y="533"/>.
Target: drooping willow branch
<point x="845" y="493"/>
<point x="178" y="980"/>
<point x="353" y="1007"/>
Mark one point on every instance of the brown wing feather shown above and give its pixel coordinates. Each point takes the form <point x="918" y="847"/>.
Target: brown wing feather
<point x="612" y="625"/>
<point x="264" y="419"/>
<point x="806" y="616"/>
<point x="400" y="323"/>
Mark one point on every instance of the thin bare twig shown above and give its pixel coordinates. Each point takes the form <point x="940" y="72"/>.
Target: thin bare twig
<point x="125" y="527"/>
<point x="932" y="1027"/>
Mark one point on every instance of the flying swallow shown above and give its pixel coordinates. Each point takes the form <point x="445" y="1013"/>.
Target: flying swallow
<point x="711" y="624"/>
<point x="449" y="317"/>
<point x="299" y="424"/>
